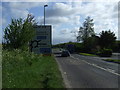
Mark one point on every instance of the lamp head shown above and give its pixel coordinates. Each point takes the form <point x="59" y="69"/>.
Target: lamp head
<point x="45" y="5"/>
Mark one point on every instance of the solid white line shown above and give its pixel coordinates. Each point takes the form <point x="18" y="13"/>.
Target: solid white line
<point x="64" y="75"/>
<point x="92" y="64"/>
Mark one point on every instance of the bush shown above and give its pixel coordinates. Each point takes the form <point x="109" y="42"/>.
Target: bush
<point x="18" y="33"/>
<point x="78" y="47"/>
<point x="105" y="53"/>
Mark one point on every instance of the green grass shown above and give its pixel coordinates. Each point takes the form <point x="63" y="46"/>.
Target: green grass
<point x="0" y="45"/>
<point x="113" y="60"/>
<point x="28" y="70"/>
<point x="87" y="54"/>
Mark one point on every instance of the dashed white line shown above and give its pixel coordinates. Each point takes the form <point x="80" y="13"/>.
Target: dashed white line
<point x="92" y="64"/>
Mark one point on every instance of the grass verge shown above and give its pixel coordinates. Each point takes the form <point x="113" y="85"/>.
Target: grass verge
<point x="28" y="70"/>
<point x="112" y="60"/>
<point x="87" y="54"/>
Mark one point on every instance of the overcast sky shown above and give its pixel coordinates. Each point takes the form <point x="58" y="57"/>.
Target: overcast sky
<point x="65" y="17"/>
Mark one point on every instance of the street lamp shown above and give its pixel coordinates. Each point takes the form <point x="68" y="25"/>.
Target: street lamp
<point x="44" y="13"/>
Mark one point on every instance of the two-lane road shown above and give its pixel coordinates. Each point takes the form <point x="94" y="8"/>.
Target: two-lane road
<point x="88" y="72"/>
<point x="98" y="62"/>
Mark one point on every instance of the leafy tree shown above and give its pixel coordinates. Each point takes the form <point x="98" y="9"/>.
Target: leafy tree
<point x="85" y="34"/>
<point x="116" y="47"/>
<point x="86" y="31"/>
<point x="91" y="44"/>
<point x="19" y="32"/>
<point x="107" y="39"/>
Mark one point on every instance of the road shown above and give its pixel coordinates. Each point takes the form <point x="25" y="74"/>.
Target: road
<point x="88" y="72"/>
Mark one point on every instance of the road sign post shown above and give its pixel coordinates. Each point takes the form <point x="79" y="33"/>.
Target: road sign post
<point x="41" y="43"/>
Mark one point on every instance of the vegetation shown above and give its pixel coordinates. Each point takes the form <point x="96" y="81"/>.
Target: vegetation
<point x="89" y="42"/>
<point x="96" y="44"/>
<point x="28" y="70"/>
<point x="116" y="47"/>
<point x="78" y="47"/>
<point x="0" y="45"/>
<point x="107" y="39"/>
<point x="86" y="31"/>
<point x="113" y="60"/>
<point x="19" y="33"/>
<point x="24" y="69"/>
<point x="105" y="53"/>
<point x="87" y="54"/>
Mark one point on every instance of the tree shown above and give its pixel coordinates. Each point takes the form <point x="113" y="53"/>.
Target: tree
<point x="19" y="32"/>
<point x="107" y="39"/>
<point x="86" y="31"/>
<point x="85" y="34"/>
<point x="92" y="44"/>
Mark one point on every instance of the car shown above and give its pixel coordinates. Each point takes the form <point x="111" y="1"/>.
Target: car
<point x="65" y="53"/>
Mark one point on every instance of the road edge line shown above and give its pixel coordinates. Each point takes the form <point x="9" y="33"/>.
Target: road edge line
<point x="65" y="80"/>
<point x="98" y="66"/>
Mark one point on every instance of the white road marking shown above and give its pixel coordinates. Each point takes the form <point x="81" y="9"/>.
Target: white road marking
<point x="65" y="73"/>
<point x="92" y="64"/>
<point x="111" y="70"/>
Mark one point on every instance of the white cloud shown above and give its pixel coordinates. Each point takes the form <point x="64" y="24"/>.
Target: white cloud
<point x="60" y="9"/>
<point x="105" y="15"/>
<point x="57" y="20"/>
<point x="61" y="39"/>
<point x="75" y="19"/>
<point x="64" y="31"/>
<point x="52" y="20"/>
<point x="72" y="20"/>
<point x="19" y="13"/>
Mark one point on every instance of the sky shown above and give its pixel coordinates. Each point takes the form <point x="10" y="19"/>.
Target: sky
<point x="66" y="17"/>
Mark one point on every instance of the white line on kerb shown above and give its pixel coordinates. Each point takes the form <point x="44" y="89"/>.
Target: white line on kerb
<point x="92" y="64"/>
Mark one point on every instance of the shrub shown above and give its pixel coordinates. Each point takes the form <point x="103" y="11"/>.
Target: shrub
<point x="18" y="33"/>
<point x="105" y="53"/>
<point x="78" y="47"/>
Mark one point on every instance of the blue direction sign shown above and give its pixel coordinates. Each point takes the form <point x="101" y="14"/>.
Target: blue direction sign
<point x="41" y="37"/>
<point x="45" y="50"/>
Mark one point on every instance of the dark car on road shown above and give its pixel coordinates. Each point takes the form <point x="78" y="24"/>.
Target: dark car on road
<point x="65" y="53"/>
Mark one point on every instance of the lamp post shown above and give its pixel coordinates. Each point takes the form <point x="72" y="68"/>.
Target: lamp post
<point x="44" y="13"/>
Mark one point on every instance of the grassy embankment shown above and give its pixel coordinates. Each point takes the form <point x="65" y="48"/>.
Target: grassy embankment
<point x="28" y="70"/>
<point x="113" y="60"/>
<point x="108" y="60"/>
<point x="87" y="54"/>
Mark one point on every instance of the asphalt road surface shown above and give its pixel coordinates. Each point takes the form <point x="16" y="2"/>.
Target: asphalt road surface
<point x="88" y="72"/>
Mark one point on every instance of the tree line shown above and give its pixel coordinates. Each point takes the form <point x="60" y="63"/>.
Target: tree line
<point x="19" y="33"/>
<point x="88" y="41"/>
<point x="105" y="40"/>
